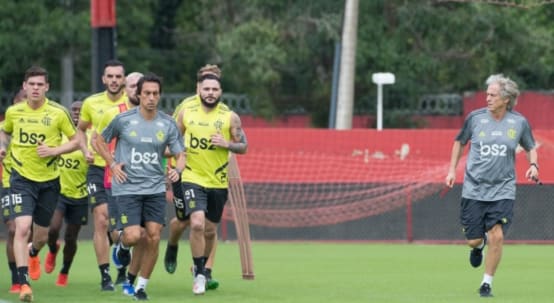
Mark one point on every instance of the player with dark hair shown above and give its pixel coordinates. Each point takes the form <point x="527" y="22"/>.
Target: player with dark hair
<point x="36" y="128"/>
<point x="104" y="210"/>
<point x="72" y="206"/>
<point x="180" y="222"/>
<point x="138" y="175"/>
<point x="489" y="187"/>
<point x="205" y="181"/>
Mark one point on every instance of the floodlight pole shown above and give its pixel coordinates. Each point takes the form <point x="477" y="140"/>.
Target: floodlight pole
<point x="381" y="79"/>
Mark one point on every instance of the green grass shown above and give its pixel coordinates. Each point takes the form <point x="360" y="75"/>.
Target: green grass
<point x="317" y="272"/>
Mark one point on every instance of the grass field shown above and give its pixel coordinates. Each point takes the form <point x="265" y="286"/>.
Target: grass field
<point x="320" y="272"/>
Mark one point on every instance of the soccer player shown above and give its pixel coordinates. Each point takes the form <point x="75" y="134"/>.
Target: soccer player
<point x="130" y="89"/>
<point x="138" y="175"/>
<point x="99" y="197"/>
<point x="211" y="131"/>
<point x="36" y="128"/>
<point x="489" y="187"/>
<point x="180" y="222"/>
<point x="4" y="194"/>
<point x="72" y="206"/>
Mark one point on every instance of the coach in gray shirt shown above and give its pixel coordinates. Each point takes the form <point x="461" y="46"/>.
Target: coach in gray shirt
<point x="138" y="176"/>
<point x="489" y="187"/>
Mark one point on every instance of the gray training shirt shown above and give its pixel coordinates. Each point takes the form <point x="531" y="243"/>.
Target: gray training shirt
<point x="490" y="167"/>
<point x="140" y="147"/>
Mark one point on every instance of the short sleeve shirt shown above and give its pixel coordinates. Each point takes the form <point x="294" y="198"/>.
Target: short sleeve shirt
<point x="140" y="148"/>
<point x="490" y="167"/>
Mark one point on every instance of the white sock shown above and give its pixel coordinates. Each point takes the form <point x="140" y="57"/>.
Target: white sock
<point x="481" y="245"/>
<point x="487" y="279"/>
<point x="141" y="283"/>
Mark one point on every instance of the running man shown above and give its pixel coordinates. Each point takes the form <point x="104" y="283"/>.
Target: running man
<point x="211" y="131"/>
<point x="99" y="197"/>
<point x="180" y="222"/>
<point x="36" y="128"/>
<point x="5" y="189"/>
<point x="489" y="187"/>
<point x="138" y="176"/>
<point x="72" y="206"/>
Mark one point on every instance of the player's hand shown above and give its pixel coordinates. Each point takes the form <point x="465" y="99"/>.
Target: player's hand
<point x="449" y="180"/>
<point x="44" y="150"/>
<point x="532" y="173"/>
<point x="218" y="140"/>
<point x="117" y="172"/>
<point x="173" y="175"/>
<point x="89" y="157"/>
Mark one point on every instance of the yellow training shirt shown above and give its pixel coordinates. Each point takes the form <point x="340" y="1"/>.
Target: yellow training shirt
<point x="206" y="164"/>
<point x="28" y="127"/>
<point x="92" y="111"/>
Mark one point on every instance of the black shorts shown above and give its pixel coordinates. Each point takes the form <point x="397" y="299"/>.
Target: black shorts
<point x="210" y="200"/>
<point x="5" y="202"/>
<point x="178" y="201"/>
<point x="31" y="198"/>
<point x="478" y="217"/>
<point x="99" y="195"/>
<point x="75" y="211"/>
<point x="139" y="209"/>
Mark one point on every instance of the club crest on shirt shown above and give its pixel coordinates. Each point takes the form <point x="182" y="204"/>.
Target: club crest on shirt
<point x="46" y="121"/>
<point x="512" y="133"/>
<point x="218" y="125"/>
<point x="160" y="135"/>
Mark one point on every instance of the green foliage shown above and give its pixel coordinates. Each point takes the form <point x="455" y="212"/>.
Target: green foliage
<point x="280" y="53"/>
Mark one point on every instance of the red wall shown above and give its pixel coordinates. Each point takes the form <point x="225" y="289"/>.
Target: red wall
<point x="537" y="107"/>
<point x="319" y="155"/>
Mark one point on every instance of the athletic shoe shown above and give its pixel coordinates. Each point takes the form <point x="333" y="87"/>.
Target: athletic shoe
<point x="107" y="285"/>
<point x="62" y="280"/>
<point x="199" y="285"/>
<point x="34" y="267"/>
<point x="128" y="289"/>
<point x="140" y="295"/>
<point x="121" y="276"/>
<point x="26" y="293"/>
<point x="212" y="284"/>
<point x="170" y="259"/>
<point x="50" y="262"/>
<point x="15" y="289"/>
<point x="485" y="290"/>
<point x="115" y="260"/>
<point x="123" y="255"/>
<point x="476" y="254"/>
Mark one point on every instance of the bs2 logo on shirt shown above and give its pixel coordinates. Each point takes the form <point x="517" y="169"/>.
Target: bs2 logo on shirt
<point x="31" y="138"/>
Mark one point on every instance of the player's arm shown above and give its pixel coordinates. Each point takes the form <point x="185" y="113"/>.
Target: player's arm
<point x="457" y="150"/>
<point x="175" y="173"/>
<point x="72" y="144"/>
<point x="5" y="139"/>
<point x="238" y="143"/>
<point x="82" y="127"/>
<point x="103" y="150"/>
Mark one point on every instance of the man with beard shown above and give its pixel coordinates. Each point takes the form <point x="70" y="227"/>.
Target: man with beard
<point x="211" y="130"/>
<point x="100" y="197"/>
<point x="180" y="222"/>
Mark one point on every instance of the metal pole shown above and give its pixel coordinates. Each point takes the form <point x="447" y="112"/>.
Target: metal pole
<point x="345" y="104"/>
